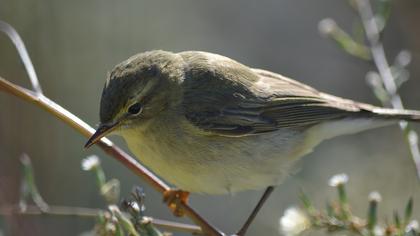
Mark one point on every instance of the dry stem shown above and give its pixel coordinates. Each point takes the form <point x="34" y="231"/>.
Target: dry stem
<point x="89" y="213"/>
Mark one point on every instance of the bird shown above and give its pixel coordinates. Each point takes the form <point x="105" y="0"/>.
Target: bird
<point x="208" y="124"/>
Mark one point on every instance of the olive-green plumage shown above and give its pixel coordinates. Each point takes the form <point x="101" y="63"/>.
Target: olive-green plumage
<point x="209" y="124"/>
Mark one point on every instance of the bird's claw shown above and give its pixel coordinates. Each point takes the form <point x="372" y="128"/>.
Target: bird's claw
<point x="173" y="198"/>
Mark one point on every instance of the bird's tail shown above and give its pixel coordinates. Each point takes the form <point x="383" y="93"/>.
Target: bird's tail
<point x="395" y="114"/>
<point x="370" y="117"/>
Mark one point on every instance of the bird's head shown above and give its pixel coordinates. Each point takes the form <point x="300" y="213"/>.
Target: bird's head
<point x="137" y="90"/>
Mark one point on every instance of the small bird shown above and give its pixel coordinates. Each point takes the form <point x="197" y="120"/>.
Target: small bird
<point x="209" y="124"/>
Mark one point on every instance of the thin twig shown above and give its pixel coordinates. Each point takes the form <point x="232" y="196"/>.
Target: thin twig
<point x="36" y="97"/>
<point x="32" y="210"/>
<point x="91" y="213"/>
<point x="178" y="227"/>
<point x="29" y="188"/>
<point x="23" y="53"/>
<point x="378" y="53"/>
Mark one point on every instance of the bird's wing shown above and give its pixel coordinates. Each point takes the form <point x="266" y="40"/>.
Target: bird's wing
<point x="232" y="100"/>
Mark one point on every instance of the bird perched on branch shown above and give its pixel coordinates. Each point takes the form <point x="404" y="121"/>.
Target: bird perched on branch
<point x="208" y="124"/>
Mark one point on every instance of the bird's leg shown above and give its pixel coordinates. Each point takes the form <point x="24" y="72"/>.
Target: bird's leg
<point x="254" y="212"/>
<point x="173" y="198"/>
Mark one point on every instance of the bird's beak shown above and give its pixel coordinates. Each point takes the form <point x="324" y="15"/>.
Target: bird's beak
<point x="101" y="132"/>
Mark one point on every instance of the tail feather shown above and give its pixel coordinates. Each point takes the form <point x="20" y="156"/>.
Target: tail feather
<point x="395" y="114"/>
<point x="368" y="117"/>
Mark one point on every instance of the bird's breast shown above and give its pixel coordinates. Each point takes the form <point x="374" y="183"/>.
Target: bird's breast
<point x="198" y="162"/>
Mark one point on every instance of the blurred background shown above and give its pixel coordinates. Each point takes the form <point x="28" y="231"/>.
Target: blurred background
<point x="73" y="44"/>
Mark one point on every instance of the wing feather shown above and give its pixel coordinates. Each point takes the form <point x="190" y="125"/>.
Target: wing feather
<point x="226" y="98"/>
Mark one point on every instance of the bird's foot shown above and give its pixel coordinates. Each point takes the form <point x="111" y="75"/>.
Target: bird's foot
<point x="173" y="198"/>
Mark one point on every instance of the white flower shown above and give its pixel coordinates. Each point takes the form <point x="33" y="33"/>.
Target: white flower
<point x="413" y="225"/>
<point x="90" y="162"/>
<point x="339" y="179"/>
<point x="113" y="208"/>
<point x="135" y="206"/>
<point x="375" y="196"/>
<point x="293" y="222"/>
<point x="327" y="26"/>
<point x="378" y="231"/>
<point x="146" y="220"/>
<point x="404" y="58"/>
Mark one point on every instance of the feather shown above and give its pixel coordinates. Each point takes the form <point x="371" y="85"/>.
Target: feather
<point x="226" y="98"/>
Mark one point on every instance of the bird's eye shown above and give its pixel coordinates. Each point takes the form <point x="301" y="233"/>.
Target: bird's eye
<point x="135" y="109"/>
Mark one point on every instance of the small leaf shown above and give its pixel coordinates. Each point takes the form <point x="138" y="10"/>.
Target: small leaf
<point x="373" y="218"/>
<point x="123" y="221"/>
<point x="306" y="202"/>
<point x="119" y="230"/>
<point x="408" y="210"/>
<point x="330" y="210"/>
<point x="372" y="215"/>
<point x="329" y="28"/>
<point x="358" y="31"/>
<point x="400" y="75"/>
<point x="375" y="82"/>
<point x="397" y="220"/>
<point x="383" y="12"/>
<point x="343" y="202"/>
<point x="29" y="187"/>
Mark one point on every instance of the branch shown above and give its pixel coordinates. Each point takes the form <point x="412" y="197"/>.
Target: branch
<point x="372" y="32"/>
<point x="23" y="53"/>
<point x="91" y="213"/>
<point x="36" y="97"/>
<point x="33" y="210"/>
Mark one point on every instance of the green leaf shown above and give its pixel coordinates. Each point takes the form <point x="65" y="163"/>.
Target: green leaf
<point x="372" y="215"/>
<point x="408" y="211"/>
<point x="29" y="188"/>
<point x="306" y="202"/>
<point x="330" y="209"/>
<point x="330" y="28"/>
<point x="123" y="221"/>
<point x="383" y="12"/>
<point x="397" y="220"/>
<point x="119" y="230"/>
<point x="343" y="202"/>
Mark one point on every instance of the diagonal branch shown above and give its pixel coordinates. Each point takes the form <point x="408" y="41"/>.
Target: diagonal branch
<point x="105" y="144"/>
<point x="36" y="97"/>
